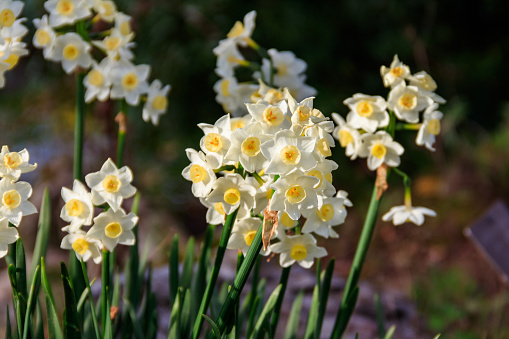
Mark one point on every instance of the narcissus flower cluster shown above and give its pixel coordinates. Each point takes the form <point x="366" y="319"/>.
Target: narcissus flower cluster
<point x="12" y="30"/>
<point x="14" y="194"/>
<point x="369" y="128"/>
<point x="281" y="69"/>
<point x="113" y="77"/>
<point x="274" y="159"/>
<point x="109" y="187"/>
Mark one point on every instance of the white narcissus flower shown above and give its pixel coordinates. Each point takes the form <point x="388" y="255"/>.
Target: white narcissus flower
<point x="263" y="192"/>
<point x="8" y="235"/>
<point x="97" y="81"/>
<point x="241" y="32"/>
<point x="114" y="227"/>
<point x="111" y="185"/>
<point x="66" y="12"/>
<point x="14" y="163"/>
<point x="14" y="204"/>
<point x="239" y="122"/>
<point x="123" y="24"/>
<point x="72" y="51"/>
<point x="245" y="147"/>
<point x="216" y="141"/>
<point x="78" y="208"/>
<point x="430" y="127"/>
<point x="129" y="81"/>
<point x="323" y="172"/>
<point x="348" y="136"/>
<point x="216" y="214"/>
<point x="395" y="74"/>
<point x="294" y="192"/>
<point x="407" y="101"/>
<point x="425" y="82"/>
<point x="243" y="234"/>
<point x="273" y="117"/>
<point x="367" y="112"/>
<point x="379" y="148"/>
<point x="225" y="89"/>
<point x="403" y="213"/>
<point x="106" y="9"/>
<point x="200" y="173"/>
<point x="9" y="11"/>
<point x="321" y="220"/>
<point x="298" y="248"/>
<point x="115" y="45"/>
<point x="44" y="36"/>
<point x="285" y="220"/>
<point x="157" y="102"/>
<point x="232" y="191"/>
<point x="83" y="245"/>
<point x="287" y="152"/>
<point x="288" y="68"/>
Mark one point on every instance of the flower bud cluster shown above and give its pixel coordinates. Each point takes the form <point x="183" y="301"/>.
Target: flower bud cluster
<point x="279" y="157"/>
<point x="281" y="69"/>
<point x="12" y="30"/>
<point x="109" y="187"/>
<point x="14" y="194"/>
<point x="115" y="76"/>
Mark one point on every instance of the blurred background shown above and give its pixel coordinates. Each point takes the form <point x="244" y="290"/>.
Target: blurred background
<point x="464" y="48"/>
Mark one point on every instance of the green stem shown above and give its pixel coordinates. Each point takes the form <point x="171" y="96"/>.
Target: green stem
<point x="105" y="287"/>
<point x="225" y="235"/>
<point x="122" y="129"/>
<point x="225" y="168"/>
<point x="283" y="281"/>
<point x="346" y="307"/>
<point x="239" y="282"/>
<point x="91" y="299"/>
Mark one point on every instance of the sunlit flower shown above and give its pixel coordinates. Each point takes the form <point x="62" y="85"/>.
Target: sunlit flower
<point x="115" y="45"/>
<point x="379" y="148"/>
<point x="106" y="9"/>
<point x="407" y="101"/>
<point x="232" y="191"/>
<point x="78" y="208"/>
<point x="8" y="235"/>
<point x="430" y="127"/>
<point x="240" y="122"/>
<point x="216" y="214"/>
<point x="44" y="36"/>
<point x="114" y="227"/>
<point x="367" y="112"/>
<point x="129" y="81"/>
<point x="403" y="213"/>
<point x="83" y="245"/>
<point x="62" y="12"/>
<point x="14" y="163"/>
<point x="320" y="220"/>
<point x="263" y="192"/>
<point x="72" y="51"/>
<point x="298" y="248"/>
<point x="395" y="74"/>
<point x="111" y="185"/>
<point x="425" y="82"/>
<point x="123" y="24"/>
<point x="216" y="141"/>
<point x="272" y="117"/>
<point x="243" y="234"/>
<point x="348" y="136"/>
<point x="245" y="147"/>
<point x="97" y="81"/>
<point x="241" y="31"/>
<point x="199" y="172"/>
<point x="9" y="11"/>
<point x="14" y="204"/>
<point x="323" y="172"/>
<point x="157" y="102"/>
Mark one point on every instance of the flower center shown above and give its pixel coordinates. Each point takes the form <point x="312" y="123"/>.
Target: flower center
<point x="316" y="174"/>
<point x="232" y="196"/>
<point x="11" y="199"/>
<point x="219" y="208"/>
<point x="108" y="8"/>
<point x="160" y="102"/>
<point x="70" y="52"/>
<point x="408" y="101"/>
<point x="74" y="207"/>
<point x="290" y="155"/>
<point x="12" y="160"/>
<point x="397" y="71"/>
<point x="433" y="127"/>
<point x="111" y="184"/>
<point x="65" y="7"/>
<point x="298" y="252"/>
<point x="213" y="142"/>
<point x="130" y="81"/>
<point x="286" y="220"/>
<point x="224" y="87"/>
<point x="427" y="83"/>
<point x="113" y="230"/>
<point x="295" y="194"/>
<point x="378" y="151"/>
<point x="326" y="212"/>
<point x="323" y="147"/>
<point x="304" y="112"/>
<point x="248" y="237"/>
<point x="197" y="173"/>
<point x="251" y="146"/>
<point x="42" y="37"/>
<point x="273" y="116"/>
<point x="236" y="30"/>
<point x="95" y="78"/>
<point x="364" y="109"/>
<point x="125" y="28"/>
<point x="7" y="17"/>
<point x="111" y="42"/>
<point x="80" y="246"/>
<point x="345" y="138"/>
<point x="237" y="123"/>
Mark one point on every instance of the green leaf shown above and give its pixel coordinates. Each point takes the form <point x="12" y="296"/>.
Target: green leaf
<point x="199" y="279"/>
<point x="379" y="316"/>
<point x="252" y="315"/>
<point x="293" y="320"/>
<point x="43" y="230"/>
<point x="107" y="327"/>
<point x="54" y="329"/>
<point x="187" y="269"/>
<point x="71" y="318"/>
<point x="134" y="319"/>
<point x="174" y="330"/>
<point x="21" y="281"/>
<point x="84" y="296"/>
<point x="174" y="269"/>
<point x="8" y="332"/>
<point x="39" y="328"/>
<point x="262" y="325"/>
<point x="285" y="274"/>
<point x="185" y="316"/>
<point x="313" y="314"/>
<point x="324" y="296"/>
<point x="215" y="329"/>
<point x="390" y="332"/>
<point x="31" y="303"/>
<point x="11" y="271"/>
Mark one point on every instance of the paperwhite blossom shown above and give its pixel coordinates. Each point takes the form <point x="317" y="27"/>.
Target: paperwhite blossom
<point x="232" y="191"/>
<point x="8" y="235"/>
<point x="430" y="127"/>
<point x="403" y="213"/>
<point x="379" y="148"/>
<point x="367" y="112"/>
<point x="83" y="245"/>
<point x="78" y="208"/>
<point x="13" y="164"/>
<point x="14" y="204"/>
<point x="298" y="248"/>
<point x="113" y="228"/>
<point x="348" y="136"/>
<point x="395" y="74"/>
<point x="200" y="173"/>
<point x="157" y="102"/>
